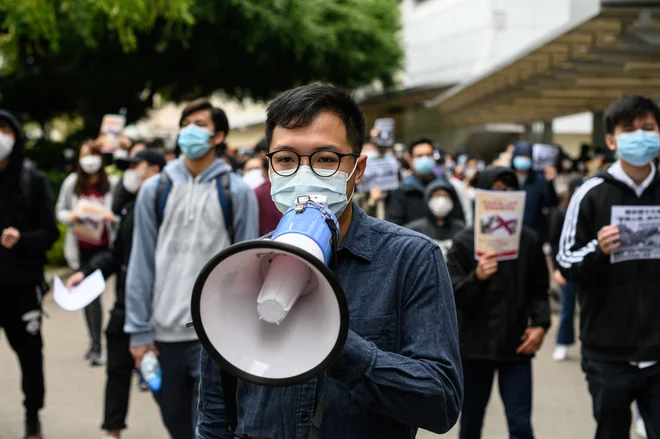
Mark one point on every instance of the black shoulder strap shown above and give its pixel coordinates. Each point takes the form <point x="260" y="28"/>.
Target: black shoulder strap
<point x="227" y="205"/>
<point x="26" y="186"/>
<point x="161" y="197"/>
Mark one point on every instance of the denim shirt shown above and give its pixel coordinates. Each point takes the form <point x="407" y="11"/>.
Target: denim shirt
<point x="400" y="368"/>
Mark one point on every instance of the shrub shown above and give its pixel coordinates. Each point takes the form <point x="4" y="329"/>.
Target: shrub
<point x="55" y="256"/>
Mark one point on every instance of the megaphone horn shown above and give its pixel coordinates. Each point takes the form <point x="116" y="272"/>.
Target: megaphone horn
<point x="270" y="311"/>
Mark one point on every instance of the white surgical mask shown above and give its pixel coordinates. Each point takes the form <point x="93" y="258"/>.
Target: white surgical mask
<point x="254" y="178"/>
<point x="132" y="180"/>
<point x="285" y="190"/>
<point x="91" y="163"/>
<point x="441" y="206"/>
<point x="6" y="145"/>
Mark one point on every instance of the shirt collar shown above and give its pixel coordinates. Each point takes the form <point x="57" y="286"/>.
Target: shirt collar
<point x="617" y="172"/>
<point x="358" y="239"/>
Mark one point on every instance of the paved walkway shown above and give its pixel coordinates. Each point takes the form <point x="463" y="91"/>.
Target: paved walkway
<point x="74" y="400"/>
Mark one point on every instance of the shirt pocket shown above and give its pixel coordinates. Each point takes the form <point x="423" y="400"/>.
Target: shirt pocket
<point x="379" y="330"/>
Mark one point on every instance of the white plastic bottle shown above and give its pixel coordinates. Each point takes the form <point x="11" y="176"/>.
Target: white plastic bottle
<point x="150" y="370"/>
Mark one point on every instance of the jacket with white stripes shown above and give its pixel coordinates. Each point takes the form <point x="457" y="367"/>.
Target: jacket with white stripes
<point x="619" y="303"/>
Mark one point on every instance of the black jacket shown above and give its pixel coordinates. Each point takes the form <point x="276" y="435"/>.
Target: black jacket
<point x="619" y="302"/>
<point x="34" y="217"/>
<point x="115" y="260"/>
<point x="429" y="226"/>
<point x="557" y="219"/>
<point x="493" y="314"/>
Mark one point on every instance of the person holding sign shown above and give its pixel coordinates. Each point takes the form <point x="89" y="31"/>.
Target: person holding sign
<point x="609" y="247"/>
<point x="539" y="187"/>
<point x="504" y="312"/>
<point x="85" y="205"/>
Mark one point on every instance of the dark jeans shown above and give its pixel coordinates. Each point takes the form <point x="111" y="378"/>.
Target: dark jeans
<point x="20" y="316"/>
<point x="566" y="332"/>
<point x="613" y="387"/>
<point x="515" y="383"/>
<point x="93" y="311"/>
<point x="178" y="394"/>
<point x="119" y="369"/>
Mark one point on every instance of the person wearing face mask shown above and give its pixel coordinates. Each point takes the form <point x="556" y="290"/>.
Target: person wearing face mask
<point x="408" y="203"/>
<point x="192" y="210"/>
<point x="143" y="165"/>
<point x="89" y="185"/>
<point x="256" y="176"/>
<point x="504" y="311"/>
<point x="439" y="225"/>
<point x="619" y="302"/>
<point x="399" y="368"/>
<point x="539" y="187"/>
<point x="27" y="231"/>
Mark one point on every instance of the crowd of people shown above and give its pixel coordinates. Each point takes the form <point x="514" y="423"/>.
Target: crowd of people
<point x="431" y="324"/>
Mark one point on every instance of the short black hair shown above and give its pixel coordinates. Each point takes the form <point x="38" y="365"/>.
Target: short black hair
<point x="157" y="143"/>
<point x="420" y="141"/>
<point x="219" y="117"/>
<point x="628" y="108"/>
<point x="262" y="145"/>
<point x="299" y="107"/>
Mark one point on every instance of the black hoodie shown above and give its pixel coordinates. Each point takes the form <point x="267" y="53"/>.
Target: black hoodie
<point x="494" y="313"/>
<point x="619" y="302"/>
<point x="34" y="217"/>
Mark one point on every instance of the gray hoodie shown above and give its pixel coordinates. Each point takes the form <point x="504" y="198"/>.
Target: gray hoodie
<point x="166" y="261"/>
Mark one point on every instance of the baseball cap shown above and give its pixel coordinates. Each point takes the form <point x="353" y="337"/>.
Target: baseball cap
<point x="151" y="156"/>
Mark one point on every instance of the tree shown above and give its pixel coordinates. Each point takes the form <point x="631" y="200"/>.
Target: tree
<point x="91" y="57"/>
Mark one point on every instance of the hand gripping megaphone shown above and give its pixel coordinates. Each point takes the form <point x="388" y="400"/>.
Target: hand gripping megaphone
<point x="270" y="311"/>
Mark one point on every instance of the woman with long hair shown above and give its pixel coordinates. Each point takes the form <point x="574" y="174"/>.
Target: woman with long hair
<point x="85" y="205"/>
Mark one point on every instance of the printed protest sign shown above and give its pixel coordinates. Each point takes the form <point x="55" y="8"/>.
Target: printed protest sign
<point x="639" y="233"/>
<point x="90" y="225"/>
<point x="381" y="173"/>
<point x="544" y="156"/>
<point x="499" y="221"/>
<point x="385" y="129"/>
<point x="111" y="129"/>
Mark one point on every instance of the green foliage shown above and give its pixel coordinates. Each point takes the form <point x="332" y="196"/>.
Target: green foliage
<point x="55" y="256"/>
<point x="90" y="57"/>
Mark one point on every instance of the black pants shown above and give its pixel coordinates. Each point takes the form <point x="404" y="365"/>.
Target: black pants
<point x="93" y="311"/>
<point x="20" y="316"/>
<point x="515" y="383"/>
<point x="613" y="387"/>
<point x="119" y="371"/>
<point x="178" y="395"/>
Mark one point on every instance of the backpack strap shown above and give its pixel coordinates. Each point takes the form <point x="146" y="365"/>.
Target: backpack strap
<point x="163" y="191"/>
<point x="226" y="203"/>
<point x="229" y="386"/>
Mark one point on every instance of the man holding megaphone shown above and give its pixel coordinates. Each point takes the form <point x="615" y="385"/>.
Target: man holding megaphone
<point x="369" y="348"/>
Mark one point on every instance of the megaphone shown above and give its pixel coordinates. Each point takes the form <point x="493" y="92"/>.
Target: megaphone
<point x="270" y="311"/>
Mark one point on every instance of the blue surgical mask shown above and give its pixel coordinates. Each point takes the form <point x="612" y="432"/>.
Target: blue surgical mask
<point x="638" y="148"/>
<point x="285" y="190"/>
<point x="424" y="165"/>
<point x="522" y="163"/>
<point x="372" y="154"/>
<point x="194" y="141"/>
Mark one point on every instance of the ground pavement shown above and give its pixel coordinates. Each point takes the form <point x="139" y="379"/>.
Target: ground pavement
<point x="74" y="398"/>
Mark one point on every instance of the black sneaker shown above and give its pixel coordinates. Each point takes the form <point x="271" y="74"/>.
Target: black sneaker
<point x="33" y="431"/>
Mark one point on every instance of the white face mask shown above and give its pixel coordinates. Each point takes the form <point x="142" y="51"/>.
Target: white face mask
<point x="254" y="178"/>
<point x="441" y="206"/>
<point x="132" y="180"/>
<point x="91" y="163"/>
<point x="6" y="145"/>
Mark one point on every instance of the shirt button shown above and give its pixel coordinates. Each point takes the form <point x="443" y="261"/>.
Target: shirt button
<point x="304" y="416"/>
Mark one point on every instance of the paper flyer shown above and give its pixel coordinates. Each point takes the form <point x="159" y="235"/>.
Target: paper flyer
<point x="382" y="173"/>
<point x="90" y="225"/>
<point x="81" y="295"/>
<point x="639" y="233"/>
<point x="544" y="156"/>
<point x="499" y="222"/>
<point x="111" y="129"/>
<point x="385" y="129"/>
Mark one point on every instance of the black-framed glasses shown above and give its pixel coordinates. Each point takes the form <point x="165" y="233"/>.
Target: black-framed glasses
<point x="324" y="163"/>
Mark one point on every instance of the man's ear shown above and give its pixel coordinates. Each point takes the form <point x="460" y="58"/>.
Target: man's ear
<point x="611" y="141"/>
<point x="218" y="138"/>
<point x="360" y="168"/>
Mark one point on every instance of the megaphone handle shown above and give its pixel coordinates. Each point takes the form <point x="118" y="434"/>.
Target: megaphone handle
<point x="318" y="416"/>
<point x="335" y="242"/>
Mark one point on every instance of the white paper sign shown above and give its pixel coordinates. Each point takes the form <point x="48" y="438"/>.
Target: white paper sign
<point x="639" y="233"/>
<point x="544" y="156"/>
<point x="81" y="295"/>
<point x="381" y="173"/>
<point x="385" y="127"/>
